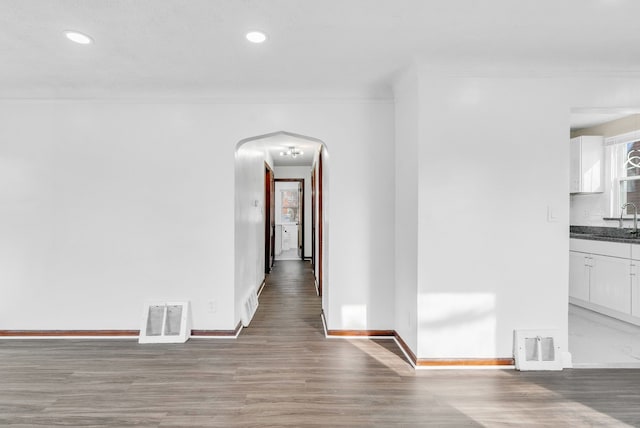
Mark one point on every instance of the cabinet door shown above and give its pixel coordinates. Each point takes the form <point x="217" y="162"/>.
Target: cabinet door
<point x="591" y="164"/>
<point x="635" y="288"/>
<point x="578" y="275"/>
<point x="611" y="283"/>
<point x="586" y="164"/>
<point x="574" y="165"/>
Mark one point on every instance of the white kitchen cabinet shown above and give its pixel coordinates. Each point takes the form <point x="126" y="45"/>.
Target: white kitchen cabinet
<point x="587" y="164"/>
<point x="610" y="283"/>
<point x="635" y="288"/>
<point x="635" y="280"/>
<point x="579" y="275"/>
<point x="605" y="277"/>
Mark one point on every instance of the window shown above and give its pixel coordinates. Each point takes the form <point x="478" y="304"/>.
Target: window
<point x="625" y="168"/>
<point x="289" y="208"/>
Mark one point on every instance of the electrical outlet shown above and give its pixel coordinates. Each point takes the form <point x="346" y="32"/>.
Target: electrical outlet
<point x="211" y="306"/>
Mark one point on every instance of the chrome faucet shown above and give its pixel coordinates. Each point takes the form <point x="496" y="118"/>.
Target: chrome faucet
<point x="635" y="216"/>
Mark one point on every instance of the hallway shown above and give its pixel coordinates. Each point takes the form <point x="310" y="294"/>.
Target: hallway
<point x="282" y="371"/>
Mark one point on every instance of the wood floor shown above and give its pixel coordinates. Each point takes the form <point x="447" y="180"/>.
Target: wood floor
<point x="281" y="371"/>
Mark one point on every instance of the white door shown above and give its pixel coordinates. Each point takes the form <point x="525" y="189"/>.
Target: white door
<point x="611" y="283"/>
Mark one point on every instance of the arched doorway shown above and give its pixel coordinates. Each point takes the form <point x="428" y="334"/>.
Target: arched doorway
<point x="259" y="162"/>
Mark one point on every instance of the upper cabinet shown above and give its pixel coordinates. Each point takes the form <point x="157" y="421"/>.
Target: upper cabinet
<point x="587" y="165"/>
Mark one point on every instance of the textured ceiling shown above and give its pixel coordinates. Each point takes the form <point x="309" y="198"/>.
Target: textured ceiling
<point x="196" y="48"/>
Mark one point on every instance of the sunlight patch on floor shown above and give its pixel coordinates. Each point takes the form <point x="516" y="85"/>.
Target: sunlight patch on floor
<point x="512" y="405"/>
<point x="384" y="356"/>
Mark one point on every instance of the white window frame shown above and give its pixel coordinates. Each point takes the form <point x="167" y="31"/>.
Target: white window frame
<point x="616" y="163"/>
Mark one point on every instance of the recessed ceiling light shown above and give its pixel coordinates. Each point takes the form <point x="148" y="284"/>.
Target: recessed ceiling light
<point x="256" y="37"/>
<point x="77" y="37"/>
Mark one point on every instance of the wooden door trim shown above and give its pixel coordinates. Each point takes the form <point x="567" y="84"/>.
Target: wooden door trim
<point x="320" y="223"/>
<point x="314" y="180"/>
<point x="268" y="197"/>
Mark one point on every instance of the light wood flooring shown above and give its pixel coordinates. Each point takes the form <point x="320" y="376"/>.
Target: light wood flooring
<point x="282" y="371"/>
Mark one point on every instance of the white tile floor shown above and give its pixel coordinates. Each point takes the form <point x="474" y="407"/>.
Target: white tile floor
<point x="291" y="254"/>
<point x="597" y="340"/>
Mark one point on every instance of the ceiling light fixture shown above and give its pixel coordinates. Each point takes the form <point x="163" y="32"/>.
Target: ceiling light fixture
<point x="256" y="37"/>
<point x="293" y="152"/>
<point x="78" y="37"/>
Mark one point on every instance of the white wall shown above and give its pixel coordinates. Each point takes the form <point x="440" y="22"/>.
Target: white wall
<point x="327" y="290"/>
<point x="489" y="261"/>
<point x="305" y="173"/>
<point x="107" y="203"/>
<point x="249" y="221"/>
<point x="407" y="100"/>
<point x="493" y="158"/>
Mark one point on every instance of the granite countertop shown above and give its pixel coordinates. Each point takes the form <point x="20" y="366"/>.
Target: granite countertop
<point x="610" y="234"/>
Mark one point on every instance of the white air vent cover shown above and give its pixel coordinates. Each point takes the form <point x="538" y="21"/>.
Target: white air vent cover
<point x="537" y="350"/>
<point x="249" y="308"/>
<point x="165" y="323"/>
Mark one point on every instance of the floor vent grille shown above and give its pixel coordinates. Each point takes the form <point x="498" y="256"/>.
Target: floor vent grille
<point x="537" y="350"/>
<point x="249" y="308"/>
<point x="166" y="322"/>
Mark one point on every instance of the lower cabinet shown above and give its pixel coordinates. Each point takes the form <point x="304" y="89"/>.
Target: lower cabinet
<point x="579" y="275"/>
<point x="610" y="284"/>
<point x="635" y="288"/>
<point x="605" y="277"/>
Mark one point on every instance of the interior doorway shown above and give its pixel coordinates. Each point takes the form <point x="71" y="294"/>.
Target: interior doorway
<point x="289" y="218"/>
<point x="603" y="327"/>
<point x="259" y="162"/>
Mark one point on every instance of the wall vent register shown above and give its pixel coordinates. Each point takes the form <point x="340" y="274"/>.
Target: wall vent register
<point x="166" y="322"/>
<point x="537" y="350"/>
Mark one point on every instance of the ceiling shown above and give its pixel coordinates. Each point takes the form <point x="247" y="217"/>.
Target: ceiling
<point x="593" y="117"/>
<point x="196" y="48"/>
<point x="281" y="141"/>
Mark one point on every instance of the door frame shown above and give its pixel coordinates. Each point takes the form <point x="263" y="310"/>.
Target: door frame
<point x="320" y="180"/>
<point x="301" y="203"/>
<point x="317" y="221"/>
<point x="313" y="217"/>
<point x="269" y="218"/>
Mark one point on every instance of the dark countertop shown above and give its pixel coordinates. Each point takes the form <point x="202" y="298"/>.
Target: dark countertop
<point x="609" y="234"/>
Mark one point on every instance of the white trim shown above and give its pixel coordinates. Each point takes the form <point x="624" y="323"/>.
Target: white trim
<point x="466" y="367"/>
<point x="628" y="137"/>
<point x="629" y="365"/>
<point x="603" y="310"/>
<point x="218" y="337"/>
<point x="212" y="100"/>
<point x="67" y="337"/>
<point x="633" y="177"/>
<point x="406" y="354"/>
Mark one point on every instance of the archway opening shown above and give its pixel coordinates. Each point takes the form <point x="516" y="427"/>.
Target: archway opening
<point x="279" y="223"/>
